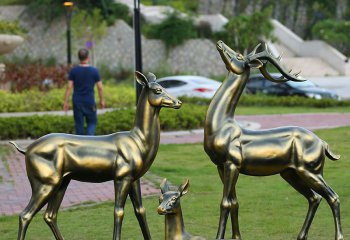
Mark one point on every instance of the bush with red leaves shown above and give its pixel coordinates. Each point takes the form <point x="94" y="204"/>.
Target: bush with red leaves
<point x="26" y="77"/>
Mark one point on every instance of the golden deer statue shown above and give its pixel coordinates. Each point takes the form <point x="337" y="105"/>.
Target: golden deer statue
<point x="169" y="205"/>
<point x="295" y="153"/>
<point x="124" y="157"/>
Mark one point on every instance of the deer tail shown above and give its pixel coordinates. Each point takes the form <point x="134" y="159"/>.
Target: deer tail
<point x="330" y="154"/>
<point x="20" y="149"/>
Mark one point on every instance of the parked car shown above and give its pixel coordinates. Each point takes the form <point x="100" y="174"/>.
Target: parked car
<point x="258" y="84"/>
<point x="191" y="86"/>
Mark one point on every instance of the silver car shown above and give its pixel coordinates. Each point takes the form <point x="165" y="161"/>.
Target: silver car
<point x="190" y="86"/>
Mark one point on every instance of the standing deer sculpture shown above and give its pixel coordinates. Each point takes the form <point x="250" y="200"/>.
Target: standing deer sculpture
<point x="169" y="205"/>
<point x="295" y="153"/>
<point x="124" y="157"/>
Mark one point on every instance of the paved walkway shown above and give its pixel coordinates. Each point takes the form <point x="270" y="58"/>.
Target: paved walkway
<point x="15" y="190"/>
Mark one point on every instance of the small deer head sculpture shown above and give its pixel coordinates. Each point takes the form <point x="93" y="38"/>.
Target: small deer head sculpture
<point x="170" y="200"/>
<point x="171" y="208"/>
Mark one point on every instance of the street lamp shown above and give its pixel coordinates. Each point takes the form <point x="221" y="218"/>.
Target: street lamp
<point x="138" y="50"/>
<point x="69" y="9"/>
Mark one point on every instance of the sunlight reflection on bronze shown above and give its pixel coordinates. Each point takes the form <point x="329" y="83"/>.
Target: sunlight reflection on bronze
<point x="54" y="159"/>
<point x="295" y="153"/>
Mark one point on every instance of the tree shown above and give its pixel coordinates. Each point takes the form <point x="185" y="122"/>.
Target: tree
<point x="88" y="27"/>
<point x="52" y="9"/>
<point x="244" y="32"/>
<point x="334" y="32"/>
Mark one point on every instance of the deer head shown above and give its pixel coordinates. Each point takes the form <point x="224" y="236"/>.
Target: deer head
<point x="170" y="200"/>
<point x="237" y="63"/>
<point x="157" y="95"/>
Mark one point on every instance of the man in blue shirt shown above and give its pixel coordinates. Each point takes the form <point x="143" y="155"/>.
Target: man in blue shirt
<point x="82" y="79"/>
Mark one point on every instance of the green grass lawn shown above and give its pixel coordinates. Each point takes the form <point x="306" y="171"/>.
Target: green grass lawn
<point x="256" y="110"/>
<point x="269" y="207"/>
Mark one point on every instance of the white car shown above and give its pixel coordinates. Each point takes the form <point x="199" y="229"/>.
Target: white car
<point x="190" y="86"/>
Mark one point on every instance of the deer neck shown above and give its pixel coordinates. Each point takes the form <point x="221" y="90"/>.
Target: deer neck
<point x="224" y="102"/>
<point x="174" y="226"/>
<point x="147" y="128"/>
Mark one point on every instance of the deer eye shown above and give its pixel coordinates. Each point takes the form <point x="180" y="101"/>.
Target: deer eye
<point x="161" y="199"/>
<point x="157" y="90"/>
<point x="173" y="198"/>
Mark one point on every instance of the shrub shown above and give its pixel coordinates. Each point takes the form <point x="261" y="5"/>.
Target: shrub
<point x="172" y="31"/>
<point x="7" y="27"/>
<point x="118" y="11"/>
<point x="116" y="96"/>
<point x="204" y="30"/>
<point x="33" y="76"/>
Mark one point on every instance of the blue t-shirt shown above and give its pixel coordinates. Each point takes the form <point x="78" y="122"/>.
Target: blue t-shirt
<point x="84" y="79"/>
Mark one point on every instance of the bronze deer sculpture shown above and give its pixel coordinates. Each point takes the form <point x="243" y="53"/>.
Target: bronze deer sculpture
<point x="124" y="157"/>
<point x="295" y="153"/>
<point x="169" y="205"/>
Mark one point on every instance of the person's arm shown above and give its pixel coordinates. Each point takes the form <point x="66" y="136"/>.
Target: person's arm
<point x="67" y="94"/>
<point x="100" y="94"/>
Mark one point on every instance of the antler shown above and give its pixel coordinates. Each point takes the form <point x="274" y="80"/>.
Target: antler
<point x="266" y="55"/>
<point x="254" y="50"/>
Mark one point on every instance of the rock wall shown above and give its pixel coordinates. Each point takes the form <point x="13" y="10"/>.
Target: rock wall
<point x="116" y="49"/>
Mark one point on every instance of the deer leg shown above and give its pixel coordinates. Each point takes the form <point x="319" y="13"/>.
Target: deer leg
<point x="54" y="203"/>
<point x="229" y="202"/>
<point x="319" y="185"/>
<point x="40" y="196"/>
<point x="140" y="211"/>
<point x="122" y="188"/>
<point x="313" y="198"/>
<point x="221" y="173"/>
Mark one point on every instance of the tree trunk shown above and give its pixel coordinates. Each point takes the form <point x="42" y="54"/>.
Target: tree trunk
<point x="230" y="8"/>
<point x="341" y="8"/>
<point x="210" y="6"/>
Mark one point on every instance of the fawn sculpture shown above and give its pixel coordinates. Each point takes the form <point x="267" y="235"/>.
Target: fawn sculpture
<point x="54" y="159"/>
<point x="295" y="153"/>
<point x="171" y="208"/>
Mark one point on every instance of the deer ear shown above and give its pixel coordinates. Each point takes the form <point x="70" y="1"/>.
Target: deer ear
<point x="141" y="79"/>
<point x="151" y="77"/>
<point x="256" y="63"/>
<point x="164" y="186"/>
<point x="183" y="189"/>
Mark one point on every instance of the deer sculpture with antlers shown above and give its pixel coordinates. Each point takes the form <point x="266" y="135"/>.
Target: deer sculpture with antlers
<point x="124" y="157"/>
<point x="169" y="205"/>
<point x="295" y="153"/>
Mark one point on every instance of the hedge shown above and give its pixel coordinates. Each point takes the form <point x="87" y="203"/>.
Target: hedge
<point x="188" y="117"/>
<point x="36" y="101"/>
<point x="286" y="101"/>
<point x="118" y="96"/>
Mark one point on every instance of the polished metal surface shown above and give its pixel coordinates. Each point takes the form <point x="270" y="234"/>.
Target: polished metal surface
<point x="54" y="159"/>
<point x="169" y="205"/>
<point x="295" y="153"/>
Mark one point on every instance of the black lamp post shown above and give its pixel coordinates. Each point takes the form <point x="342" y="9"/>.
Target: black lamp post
<point x="69" y="9"/>
<point x="138" y="50"/>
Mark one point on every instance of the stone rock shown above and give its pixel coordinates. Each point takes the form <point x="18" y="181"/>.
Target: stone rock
<point x="9" y="42"/>
<point x="156" y="14"/>
<point x="216" y="21"/>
